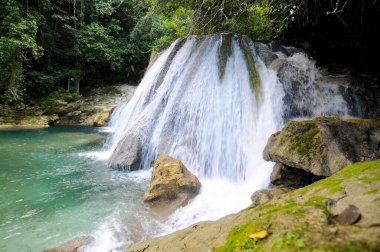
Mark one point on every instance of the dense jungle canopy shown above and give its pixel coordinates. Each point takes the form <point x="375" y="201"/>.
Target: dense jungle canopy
<point x="43" y="43"/>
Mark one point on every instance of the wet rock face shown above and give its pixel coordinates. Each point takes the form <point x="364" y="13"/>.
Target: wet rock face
<point x="127" y="155"/>
<point x="304" y="88"/>
<point x="170" y="180"/>
<point x="324" y="145"/>
<point x="268" y="51"/>
<point x="363" y="96"/>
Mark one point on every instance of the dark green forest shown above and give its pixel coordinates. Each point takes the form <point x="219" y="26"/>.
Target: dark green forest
<point x="99" y="42"/>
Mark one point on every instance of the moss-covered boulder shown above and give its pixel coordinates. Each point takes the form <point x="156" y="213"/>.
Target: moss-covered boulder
<point x="299" y="220"/>
<point x="324" y="145"/>
<point x="171" y="180"/>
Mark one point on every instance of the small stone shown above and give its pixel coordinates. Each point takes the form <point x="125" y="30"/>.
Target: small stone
<point x="349" y="216"/>
<point x="263" y="196"/>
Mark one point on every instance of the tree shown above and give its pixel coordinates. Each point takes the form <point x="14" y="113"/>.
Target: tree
<point x="17" y="45"/>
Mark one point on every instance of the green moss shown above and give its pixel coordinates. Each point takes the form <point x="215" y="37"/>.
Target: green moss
<point x="238" y="239"/>
<point x="301" y="136"/>
<point x="251" y="67"/>
<point x="370" y="179"/>
<point x="305" y="143"/>
<point x="289" y="240"/>
<point x="359" y="168"/>
<point x="289" y="205"/>
<point x="224" y="52"/>
<point x="299" y="213"/>
<point x="316" y="201"/>
<point x="333" y="184"/>
<point x="373" y="191"/>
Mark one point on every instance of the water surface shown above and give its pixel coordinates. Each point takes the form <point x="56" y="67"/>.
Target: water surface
<point x="52" y="189"/>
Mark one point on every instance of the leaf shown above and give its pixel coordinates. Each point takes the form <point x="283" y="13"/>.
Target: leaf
<point x="259" y="235"/>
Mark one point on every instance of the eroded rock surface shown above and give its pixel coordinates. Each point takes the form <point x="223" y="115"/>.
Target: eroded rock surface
<point x="170" y="180"/>
<point x="296" y="221"/>
<point x="127" y="155"/>
<point x="324" y="145"/>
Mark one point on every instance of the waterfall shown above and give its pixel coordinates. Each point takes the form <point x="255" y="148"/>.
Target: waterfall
<point x="212" y="102"/>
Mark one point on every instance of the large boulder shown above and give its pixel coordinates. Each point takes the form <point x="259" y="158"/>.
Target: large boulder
<point x="171" y="180"/>
<point x="324" y="145"/>
<point x="127" y="155"/>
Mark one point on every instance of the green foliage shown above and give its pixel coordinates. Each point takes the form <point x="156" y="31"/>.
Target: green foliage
<point x="168" y="20"/>
<point x="255" y="21"/>
<point x="94" y="41"/>
<point x="17" y="46"/>
<point x="55" y="97"/>
<point x="96" y="45"/>
<point x="261" y="19"/>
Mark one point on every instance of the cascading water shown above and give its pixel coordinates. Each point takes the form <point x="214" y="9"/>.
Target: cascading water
<point x="212" y="102"/>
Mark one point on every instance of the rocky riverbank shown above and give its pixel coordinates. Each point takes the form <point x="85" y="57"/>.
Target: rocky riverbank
<point x="91" y="109"/>
<point x="335" y="208"/>
<point x="315" y="203"/>
<point x="339" y="213"/>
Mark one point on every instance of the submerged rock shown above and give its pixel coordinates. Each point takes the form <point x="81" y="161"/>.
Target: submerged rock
<point x="324" y="145"/>
<point x="171" y="180"/>
<point x="73" y="245"/>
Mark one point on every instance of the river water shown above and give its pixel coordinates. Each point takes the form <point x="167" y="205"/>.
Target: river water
<point x="53" y="189"/>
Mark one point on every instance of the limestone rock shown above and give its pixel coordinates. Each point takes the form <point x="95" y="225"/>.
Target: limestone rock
<point x="127" y="154"/>
<point x="263" y="196"/>
<point x="170" y="179"/>
<point x="301" y="214"/>
<point x="102" y="118"/>
<point x="73" y="245"/>
<point x="324" y="145"/>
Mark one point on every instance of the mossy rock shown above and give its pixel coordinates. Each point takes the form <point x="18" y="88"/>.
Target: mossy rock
<point x="324" y="145"/>
<point x="295" y="221"/>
